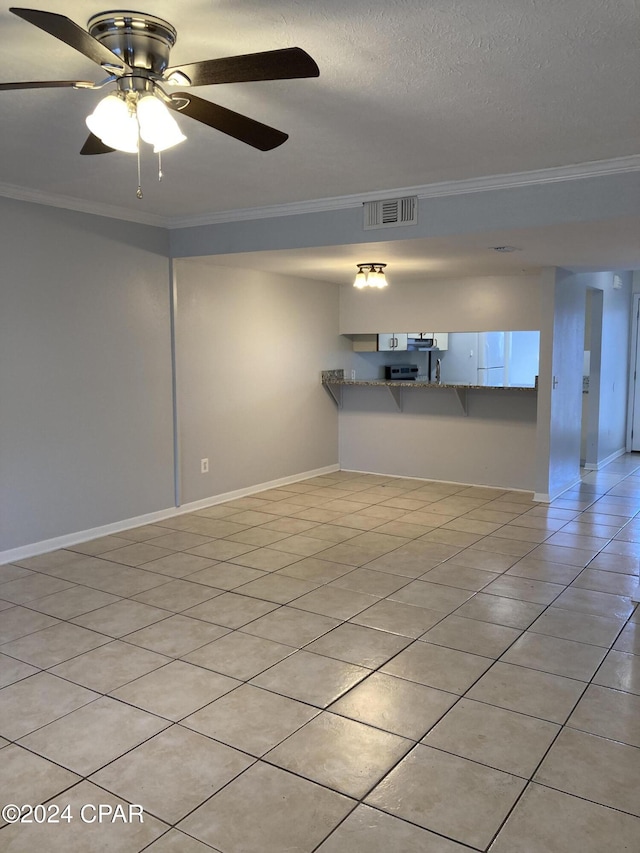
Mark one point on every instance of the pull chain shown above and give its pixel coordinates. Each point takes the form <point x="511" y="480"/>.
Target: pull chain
<point x="139" y="190"/>
<point x="159" y="165"/>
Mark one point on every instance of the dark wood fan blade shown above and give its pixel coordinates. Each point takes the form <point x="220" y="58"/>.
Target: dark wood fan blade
<point x="93" y="145"/>
<point x="285" y="64"/>
<point x="70" y="33"/>
<point x="47" y="84"/>
<point x="241" y="127"/>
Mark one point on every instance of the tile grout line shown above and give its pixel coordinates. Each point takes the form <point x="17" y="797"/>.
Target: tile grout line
<point x="347" y="621"/>
<point x="562" y="728"/>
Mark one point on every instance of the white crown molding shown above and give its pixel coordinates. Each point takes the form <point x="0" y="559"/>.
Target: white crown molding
<point x="81" y="205"/>
<point x="597" y="168"/>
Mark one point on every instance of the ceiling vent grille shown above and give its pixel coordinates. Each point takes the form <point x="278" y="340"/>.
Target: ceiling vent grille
<point x="391" y="212"/>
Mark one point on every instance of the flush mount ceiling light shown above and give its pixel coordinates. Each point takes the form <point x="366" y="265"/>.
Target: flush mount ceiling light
<point x="370" y="275"/>
<point x="133" y="49"/>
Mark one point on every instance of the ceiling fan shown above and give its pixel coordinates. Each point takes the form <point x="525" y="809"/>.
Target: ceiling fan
<point x="133" y="48"/>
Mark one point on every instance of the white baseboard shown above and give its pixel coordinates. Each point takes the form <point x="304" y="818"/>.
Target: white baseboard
<point x="547" y="498"/>
<point x="596" y="466"/>
<point x="43" y="547"/>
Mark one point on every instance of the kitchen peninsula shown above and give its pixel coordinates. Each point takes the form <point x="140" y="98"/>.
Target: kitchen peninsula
<point x="451" y="432"/>
<point x="334" y="382"/>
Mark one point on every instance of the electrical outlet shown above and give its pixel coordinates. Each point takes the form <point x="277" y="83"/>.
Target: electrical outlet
<point x="204" y="466"/>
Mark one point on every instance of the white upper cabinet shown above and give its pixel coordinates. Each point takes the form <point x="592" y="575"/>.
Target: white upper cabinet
<point x="392" y="341"/>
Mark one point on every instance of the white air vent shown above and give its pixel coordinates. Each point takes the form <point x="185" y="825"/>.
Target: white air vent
<point x="391" y="212"/>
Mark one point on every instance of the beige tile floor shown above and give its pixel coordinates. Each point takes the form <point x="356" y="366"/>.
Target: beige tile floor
<point x="351" y="663"/>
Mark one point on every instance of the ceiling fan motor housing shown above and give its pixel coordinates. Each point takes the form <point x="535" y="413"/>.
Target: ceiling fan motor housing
<point x="133" y="48"/>
<point x="142" y="41"/>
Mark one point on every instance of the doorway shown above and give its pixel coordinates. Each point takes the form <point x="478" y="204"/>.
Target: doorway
<point x="591" y="379"/>
<point x="633" y="419"/>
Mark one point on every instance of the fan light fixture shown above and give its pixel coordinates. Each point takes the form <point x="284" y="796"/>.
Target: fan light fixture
<point x="157" y="126"/>
<point x="133" y="48"/>
<point x="118" y="121"/>
<point x="370" y="275"/>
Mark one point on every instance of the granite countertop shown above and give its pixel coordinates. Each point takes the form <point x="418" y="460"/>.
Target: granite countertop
<point x="414" y="383"/>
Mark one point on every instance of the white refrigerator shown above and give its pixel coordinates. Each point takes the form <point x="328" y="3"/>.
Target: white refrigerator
<point x="491" y="358"/>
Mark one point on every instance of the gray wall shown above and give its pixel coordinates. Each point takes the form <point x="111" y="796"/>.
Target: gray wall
<point x="250" y="347"/>
<point x="86" y="397"/>
<point x="470" y="304"/>
<point x="544" y="458"/>
<point x="566" y="371"/>
<point x="85" y="363"/>
<point x="546" y="293"/>
<point x="529" y="205"/>
<point x="496" y="443"/>
<point x="493" y="445"/>
<point x="85" y="372"/>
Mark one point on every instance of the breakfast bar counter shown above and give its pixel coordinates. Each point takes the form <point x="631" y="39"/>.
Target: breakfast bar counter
<point x="334" y="382"/>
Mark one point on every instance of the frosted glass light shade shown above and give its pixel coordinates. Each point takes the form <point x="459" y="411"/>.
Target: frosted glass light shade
<point x="370" y="275"/>
<point x="157" y="125"/>
<point x="112" y="122"/>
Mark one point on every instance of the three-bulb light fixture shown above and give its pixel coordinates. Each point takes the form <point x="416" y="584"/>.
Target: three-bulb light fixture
<point x="124" y="117"/>
<point x="370" y="275"/>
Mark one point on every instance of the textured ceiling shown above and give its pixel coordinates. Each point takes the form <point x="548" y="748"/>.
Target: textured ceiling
<point x="411" y="92"/>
